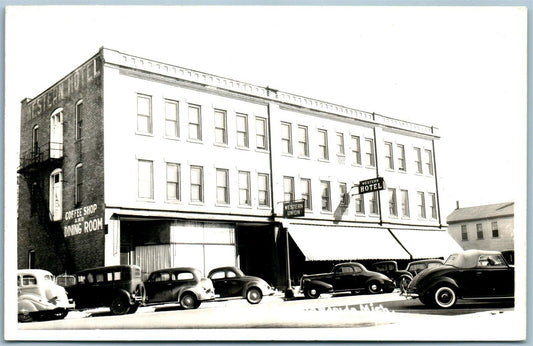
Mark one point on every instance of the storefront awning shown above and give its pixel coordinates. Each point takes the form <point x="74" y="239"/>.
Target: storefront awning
<point x="427" y="243"/>
<point x="336" y="243"/>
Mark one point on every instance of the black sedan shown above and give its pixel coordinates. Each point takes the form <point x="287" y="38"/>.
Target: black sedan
<point x="472" y="274"/>
<point x="346" y="277"/>
<point x="231" y="282"/>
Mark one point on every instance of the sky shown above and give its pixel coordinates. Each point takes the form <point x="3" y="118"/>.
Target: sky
<point x="461" y="69"/>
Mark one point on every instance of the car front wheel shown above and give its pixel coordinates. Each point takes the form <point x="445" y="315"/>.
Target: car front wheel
<point x="188" y="301"/>
<point x="374" y="287"/>
<point x="254" y="295"/>
<point x="312" y="293"/>
<point x="119" y="305"/>
<point x="404" y="282"/>
<point x="445" y="297"/>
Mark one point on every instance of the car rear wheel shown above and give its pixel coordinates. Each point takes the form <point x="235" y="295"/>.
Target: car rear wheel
<point x="312" y="293"/>
<point x="25" y="317"/>
<point x="254" y="295"/>
<point x="188" y="301"/>
<point x="374" y="287"/>
<point x="119" y="305"/>
<point x="445" y="297"/>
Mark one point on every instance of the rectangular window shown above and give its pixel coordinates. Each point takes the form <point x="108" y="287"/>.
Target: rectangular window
<point x="340" y="144"/>
<point x="356" y="150"/>
<point x="495" y="232"/>
<point x="479" y="229"/>
<point x="144" y="114"/>
<point x="433" y="205"/>
<point x="79" y="119"/>
<point x="306" y="192"/>
<point x="343" y="195"/>
<point x="244" y="189"/>
<point x="323" y="153"/>
<point x="222" y="186"/>
<point x="370" y="153"/>
<point x="373" y="202"/>
<point x="288" y="189"/>
<point x="242" y="130"/>
<point x="401" y="157"/>
<point x="79" y="183"/>
<point x="359" y="204"/>
<point x="263" y="190"/>
<point x="405" y="202"/>
<point x="171" y="119"/>
<point x="286" y="138"/>
<point x="173" y="182"/>
<point x="261" y="133"/>
<point x="389" y="156"/>
<point x="221" y="128"/>
<point x="326" y="195"/>
<point x="195" y="122"/>
<point x="146" y="179"/>
<point x="418" y="160"/>
<point x="421" y="205"/>
<point x="303" y="141"/>
<point x="464" y="233"/>
<point x="393" y="206"/>
<point x="197" y="184"/>
<point x="429" y="162"/>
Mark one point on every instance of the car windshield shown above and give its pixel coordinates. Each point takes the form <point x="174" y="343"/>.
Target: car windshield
<point x="453" y="260"/>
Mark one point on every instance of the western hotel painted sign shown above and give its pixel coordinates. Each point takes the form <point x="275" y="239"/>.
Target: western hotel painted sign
<point x="371" y="185"/>
<point x="75" y="81"/>
<point x="82" y="220"/>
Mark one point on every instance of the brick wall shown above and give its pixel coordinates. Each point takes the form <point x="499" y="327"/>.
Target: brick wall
<point x="53" y="250"/>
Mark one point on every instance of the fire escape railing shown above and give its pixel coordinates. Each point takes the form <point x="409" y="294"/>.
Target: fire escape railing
<point x="40" y="154"/>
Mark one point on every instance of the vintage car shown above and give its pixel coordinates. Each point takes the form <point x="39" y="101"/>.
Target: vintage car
<point x="39" y="297"/>
<point x="118" y="287"/>
<point x="401" y="278"/>
<point x="345" y="277"/>
<point x="231" y="282"/>
<point x="184" y="285"/>
<point x="416" y="267"/>
<point x="472" y="274"/>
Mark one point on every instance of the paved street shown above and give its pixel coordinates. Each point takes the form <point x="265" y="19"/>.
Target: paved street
<point x="366" y="314"/>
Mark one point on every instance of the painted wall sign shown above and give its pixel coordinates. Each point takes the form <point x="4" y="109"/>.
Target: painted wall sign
<point x="82" y="220"/>
<point x="371" y="185"/>
<point x="75" y="81"/>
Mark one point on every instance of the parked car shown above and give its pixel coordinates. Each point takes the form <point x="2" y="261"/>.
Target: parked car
<point x="231" y="282"/>
<point x="118" y="287"/>
<point x="345" y="277"/>
<point x="401" y="278"/>
<point x="472" y="274"/>
<point x="39" y="297"/>
<point x="184" y="285"/>
<point x="416" y="267"/>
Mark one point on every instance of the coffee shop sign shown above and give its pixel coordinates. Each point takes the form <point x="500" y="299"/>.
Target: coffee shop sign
<point x="83" y="221"/>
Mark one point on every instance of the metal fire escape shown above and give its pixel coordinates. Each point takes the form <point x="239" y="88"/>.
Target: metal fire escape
<point x="36" y="165"/>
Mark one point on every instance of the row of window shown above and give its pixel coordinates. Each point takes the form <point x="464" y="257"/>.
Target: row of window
<point x="197" y="185"/>
<point x="194" y="123"/>
<point x="197" y="190"/>
<point x="479" y="231"/>
<point x="172" y="130"/>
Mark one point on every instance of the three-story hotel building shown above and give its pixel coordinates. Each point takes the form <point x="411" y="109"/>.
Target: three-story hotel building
<point x="127" y="160"/>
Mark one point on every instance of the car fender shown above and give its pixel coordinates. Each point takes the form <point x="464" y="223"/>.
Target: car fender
<point x="122" y="292"/>
<point x="33" y="303"/>
<point x="443" y="280"/>
<point x="319" y="285"/>
<point x="249" y="285"/>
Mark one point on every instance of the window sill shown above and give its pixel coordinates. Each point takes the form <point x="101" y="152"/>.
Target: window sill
<point x="145" y="134"/>
<point x="197" y="141"/>
<point x="172" y="138"/>
<point x="222" y="145"/>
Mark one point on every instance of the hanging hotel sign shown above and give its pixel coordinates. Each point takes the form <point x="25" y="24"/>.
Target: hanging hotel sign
<point x="371" y="185"/>
<point x="82" y="220"/>
<point x="294" y="209"/>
